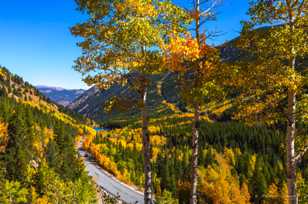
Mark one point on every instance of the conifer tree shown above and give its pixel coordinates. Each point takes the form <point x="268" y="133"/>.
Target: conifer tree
<point x="18" y="153"/>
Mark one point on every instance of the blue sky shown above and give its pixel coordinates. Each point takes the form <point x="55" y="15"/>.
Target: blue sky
<point x="36" y="44"/>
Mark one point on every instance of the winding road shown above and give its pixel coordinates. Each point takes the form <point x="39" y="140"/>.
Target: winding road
<point x="109" y="183"/>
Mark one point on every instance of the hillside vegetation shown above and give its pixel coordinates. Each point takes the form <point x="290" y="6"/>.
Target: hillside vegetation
<point x="38" y="159"/>
<point x="238" y="163"/>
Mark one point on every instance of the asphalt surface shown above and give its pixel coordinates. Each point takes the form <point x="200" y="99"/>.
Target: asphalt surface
<point x="110" y="184"/>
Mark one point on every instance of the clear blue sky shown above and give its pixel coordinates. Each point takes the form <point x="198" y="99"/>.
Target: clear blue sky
<point x="36" y="44"/>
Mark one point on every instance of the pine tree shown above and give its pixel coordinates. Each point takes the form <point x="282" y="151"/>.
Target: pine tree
<point x="18" y="153"/>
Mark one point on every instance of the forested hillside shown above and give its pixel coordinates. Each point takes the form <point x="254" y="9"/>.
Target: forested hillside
<point x="38" y="159"/>
<point x="238" y="163"/>
<point x="94" y="102"/>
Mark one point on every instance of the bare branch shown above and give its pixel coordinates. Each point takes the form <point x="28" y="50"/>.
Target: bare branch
<point x="300" y="155"/>
<point x="209" y="11"/>
<point x="300" y="9"/>
<point x="195" y="4"/>
<point x="214" y="34"/>
<point x="290" y="11"/>
<point x="294" y="3"/>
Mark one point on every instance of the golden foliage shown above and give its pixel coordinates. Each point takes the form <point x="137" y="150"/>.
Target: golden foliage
<point x="154" y="129"/>
<point x="141" y="7"/>
<point x="104" y="161"/>
<point x="35" y="199"/>
<point x="181" y="50"/>
<point x="158" y="140"/>
<point x="276" y="196"/>
<point x="171" y="106"/>
<point x="44" y="135"/>
<point x="219" y="185"/>
<point x="2" y="72"/>
<point x="3" y="136"/>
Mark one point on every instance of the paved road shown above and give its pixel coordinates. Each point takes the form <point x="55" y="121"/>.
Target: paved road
<point x="111" y="184"/>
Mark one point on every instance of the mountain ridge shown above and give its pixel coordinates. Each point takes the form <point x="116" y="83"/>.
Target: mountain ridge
<point x="91" y="103"/>
<point x="60" y="95"/>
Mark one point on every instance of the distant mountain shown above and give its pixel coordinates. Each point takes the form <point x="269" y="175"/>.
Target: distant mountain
<point x="92" y="102"/>
<point x="59" y="95"/>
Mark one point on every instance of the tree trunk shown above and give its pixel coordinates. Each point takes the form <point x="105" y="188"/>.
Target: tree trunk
<point x="148" y="199"/>
<point x="291" y="128"/>
<point x="195" y="154"/>
<point x="196" y="124"/>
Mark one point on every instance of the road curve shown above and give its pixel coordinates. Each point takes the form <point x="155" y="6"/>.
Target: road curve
<point x="110" y="184"/>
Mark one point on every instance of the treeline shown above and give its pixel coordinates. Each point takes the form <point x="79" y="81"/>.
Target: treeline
<point x="38" y="160"/>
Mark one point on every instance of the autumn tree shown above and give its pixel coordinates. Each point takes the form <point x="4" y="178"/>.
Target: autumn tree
<point x="3" y="136"/>
<point x="197" y="65"/>
<point x="220" y="186"/>
<point x="13" y="192"/>
<point x="121" y="45"/>
<point x="272" y="77"/>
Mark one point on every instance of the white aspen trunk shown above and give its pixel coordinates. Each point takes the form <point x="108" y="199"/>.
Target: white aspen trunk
<point x="290" y="140"/>
<point x="291" y="122"/>
<point x="148" y="197"/>
<point x="196" y="125"/>
<point x="195" y="154"/>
